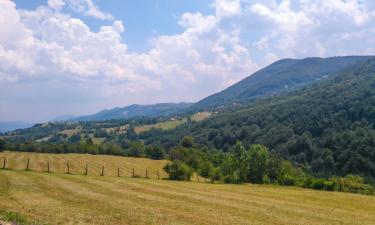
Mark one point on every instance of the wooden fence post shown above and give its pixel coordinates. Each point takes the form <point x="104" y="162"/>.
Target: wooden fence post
<point x="28" y="162"/>
<point x="133" y="173"/>
<point x="4" y="163"/>
<point x="198" y="178"/>
<point x="102" y="171"/>
<point x="146" y="173"/>
<point x="48" y="171"/>
<point x="67" y="166"/>
<point x="158" y="175"/>
<point x="118" y="171"/>
<point x="87" y="169"/>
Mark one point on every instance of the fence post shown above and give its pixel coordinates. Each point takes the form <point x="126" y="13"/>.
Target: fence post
<point x="4" y="163"/>
<point x="102" y="171"/>
<point x="146" y="173"/>
<point x="198" y="178"/>
<point x="67" y="166"/>
<point x="118" y="171"/>
<point x="28" y="162"/>
<point x="48" y="171"/>
<point x="86" y="171"/>
<point x="158" y="175"/>
<point x="133" y="173"/>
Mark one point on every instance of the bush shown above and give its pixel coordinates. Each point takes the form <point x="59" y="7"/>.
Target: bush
<point x="178" y="170"/>
<point x="287" y="175"/>
<point x="352" y="183"/>
<point x="154" y="152"/>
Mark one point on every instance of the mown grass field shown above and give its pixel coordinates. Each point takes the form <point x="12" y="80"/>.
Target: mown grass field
<point x="77" y="164"/>
<point x="48" y="198"/>
<point x="57" y="198"/>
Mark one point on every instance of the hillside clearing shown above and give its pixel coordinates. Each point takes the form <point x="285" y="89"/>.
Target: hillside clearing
<point x="173" y="123"/>
<point x="51" y="198"/>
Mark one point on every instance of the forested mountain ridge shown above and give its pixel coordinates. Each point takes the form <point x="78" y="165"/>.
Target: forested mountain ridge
<point x="283" y="75"/>
<point x="133" y="111"/>
<point x="329" y="127"/>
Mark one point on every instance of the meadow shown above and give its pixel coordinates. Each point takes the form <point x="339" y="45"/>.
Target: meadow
<point x="77" y="164"/>
<point x="31" y="197"/>
<point x="171" y="124"/>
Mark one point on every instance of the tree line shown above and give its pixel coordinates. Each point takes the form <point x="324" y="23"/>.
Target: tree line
<point x="252" y="164"/>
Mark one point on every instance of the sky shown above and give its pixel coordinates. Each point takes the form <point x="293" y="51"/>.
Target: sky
<point x="77" y="57"/>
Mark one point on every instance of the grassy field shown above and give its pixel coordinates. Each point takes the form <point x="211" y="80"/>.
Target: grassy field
<point x="53" y="198"/>
<point x="77" y="164"/>
<point x="162" y="125"/>
<point x="172" y="123"/>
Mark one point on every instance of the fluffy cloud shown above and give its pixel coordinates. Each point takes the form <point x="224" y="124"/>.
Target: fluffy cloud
<point x="47" y="47"/>
<point x="315" y="28"/>
<point x="88" y="8"/>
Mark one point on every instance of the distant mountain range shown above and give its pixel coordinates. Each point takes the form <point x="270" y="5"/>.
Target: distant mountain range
<point x="13" y="125"/>
<point x="283" y="75"/>
<point x="132" y="111"/>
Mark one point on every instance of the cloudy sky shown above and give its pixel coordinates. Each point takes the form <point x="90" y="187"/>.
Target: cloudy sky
<point x="80" y="56"/>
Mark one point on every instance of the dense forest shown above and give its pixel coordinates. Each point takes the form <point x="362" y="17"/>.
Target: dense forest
<point x="327" y="128"/>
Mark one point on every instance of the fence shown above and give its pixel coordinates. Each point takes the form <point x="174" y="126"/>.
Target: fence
<point x="121" y="172"/>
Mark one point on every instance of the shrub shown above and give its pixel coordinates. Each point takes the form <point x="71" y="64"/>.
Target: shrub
<point x="178" y="170"/>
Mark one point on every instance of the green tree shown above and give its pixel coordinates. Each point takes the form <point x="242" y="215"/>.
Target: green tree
<point x="136" y="149"/>
<point x="258" y="158"/>
<point x="2" y="144"/>
<point x="188" y="142"/>
<point x="154" y="152"/>
<point x="240" y="161"/>
<point x="178" y="170"/>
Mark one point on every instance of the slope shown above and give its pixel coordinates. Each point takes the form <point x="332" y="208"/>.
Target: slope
<point x="132" y="111"/>
<point x="329" y="127"/>
<point x="283" y="75"/>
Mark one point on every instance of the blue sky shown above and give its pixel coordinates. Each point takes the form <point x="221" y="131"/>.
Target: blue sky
<point x="80" y="56"/>
<point x="142" y="19"/>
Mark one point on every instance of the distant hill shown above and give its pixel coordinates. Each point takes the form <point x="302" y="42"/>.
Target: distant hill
<point x="283" y="75"/>
<point x="328" y="127"/>
<point x="13" y="125"/>
<point x="133" y="111"/>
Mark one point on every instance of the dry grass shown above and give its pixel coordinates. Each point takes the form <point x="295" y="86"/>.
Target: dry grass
<point x="50" y="198"/>
<point x="77" y="164"/>
<point x="162" y="125"/>
<point x="201" y="116"/>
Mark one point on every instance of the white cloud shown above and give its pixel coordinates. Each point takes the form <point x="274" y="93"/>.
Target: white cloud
<point x="227" y="7"/>
<point x="89" y="8"/>
<point x="56" y="4"/>
<point x="47" y="47"/>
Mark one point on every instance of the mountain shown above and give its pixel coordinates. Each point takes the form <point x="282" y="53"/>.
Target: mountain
<point x="283" y="75"/>
<point x="132" y="111"/>
<point x="13" y="125"/>
<point x="327" y="127"/>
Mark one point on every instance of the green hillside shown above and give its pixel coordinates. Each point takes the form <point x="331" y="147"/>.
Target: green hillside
<point x="327" y="128"/>
<point x="283" y="75"/>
